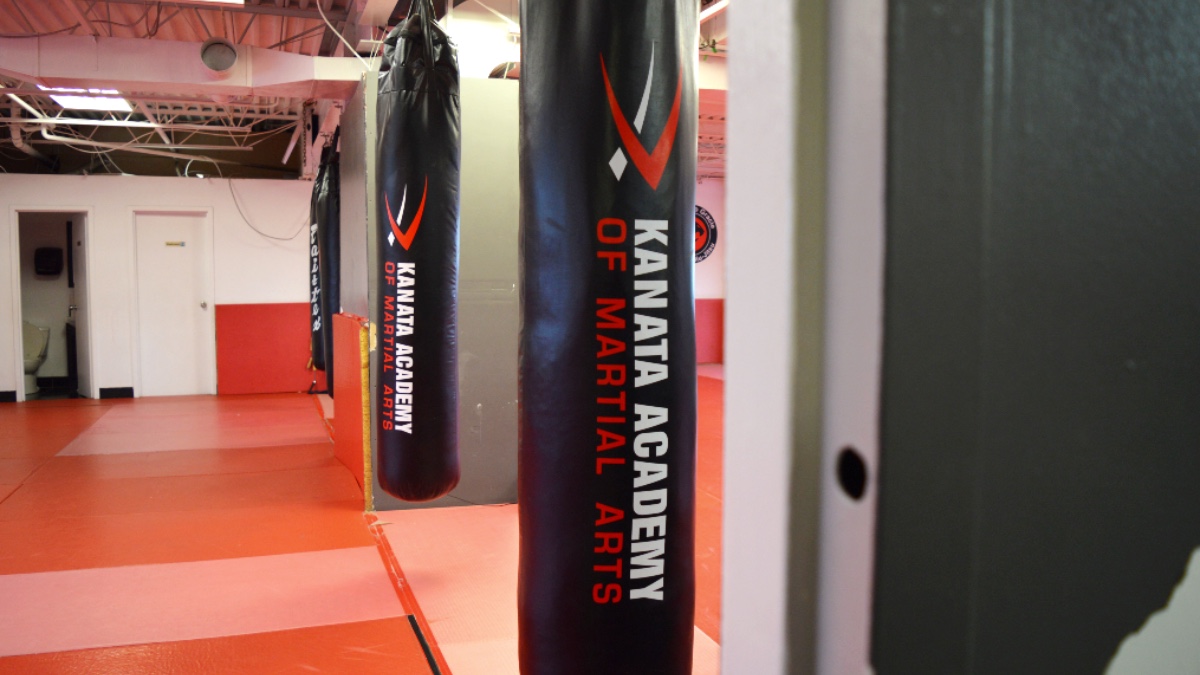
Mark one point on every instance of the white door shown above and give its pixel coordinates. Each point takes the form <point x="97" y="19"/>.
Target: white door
<point x="81" y="313"/>
<point x="176" y="329"/>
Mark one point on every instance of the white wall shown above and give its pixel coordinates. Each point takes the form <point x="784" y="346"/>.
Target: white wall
<point x="759" y="339"/>
<point x="44" y="299"/>
<point x="482" y="38"/>
<point x="710" y="274"/>
<point x="484" y="41"/>
<point x="1166" y="643"/>
<point x="711" y="73"/>
<point x="249" y="267"/>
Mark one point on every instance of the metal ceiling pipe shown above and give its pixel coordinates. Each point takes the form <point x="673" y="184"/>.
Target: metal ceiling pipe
<point x="19" y="143"/>
<point x="138" y="148"/>
<point x="130" y="124"/>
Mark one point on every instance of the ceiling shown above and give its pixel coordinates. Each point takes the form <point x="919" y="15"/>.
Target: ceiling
<point x="172" y="128"/>
<point x="714" y="45"/>
<point x="288" y="25"/>
<point x="186" y="120"/>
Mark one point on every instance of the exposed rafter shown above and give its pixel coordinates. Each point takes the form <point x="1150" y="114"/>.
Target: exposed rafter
<point x="84" y="22"/>
<point x="273" y="9"/>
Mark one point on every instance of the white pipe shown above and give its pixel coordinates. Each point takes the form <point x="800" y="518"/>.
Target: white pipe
<point x="36" y="113"/>
<point x="141" y="148"/>
<point x="19" y="143"/>
<point x="128" y="124"/>
<point x="287" y="154"/>
<point x="145" y="110"/>
<point x="713" y="10"/>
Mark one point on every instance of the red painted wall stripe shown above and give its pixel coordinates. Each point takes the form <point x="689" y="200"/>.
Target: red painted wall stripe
<point x="264" y="349"/>
<point x="710" y="330"/>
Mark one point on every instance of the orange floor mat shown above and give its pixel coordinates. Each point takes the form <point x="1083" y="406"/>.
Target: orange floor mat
<point x="52" y="544"/>
<point x="191" y="422"/>
<point x="89" y="489"/>
<point x="182" y="463"/>
<point x="160" y="481"/>
<point x="33" y="432"/>
<point x="136" y="604"/>
<point x="461" y="564"/>
<point x="709" y="481"/>
<point x="380" y="647"/>
<point x="179" y="493"/>
<point x="15" y="471"/>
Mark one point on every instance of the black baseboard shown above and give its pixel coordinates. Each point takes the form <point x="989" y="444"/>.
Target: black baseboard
<point x="116" y="392"/>
<point x="8" y="397"/>
<point x="54" y="382"/>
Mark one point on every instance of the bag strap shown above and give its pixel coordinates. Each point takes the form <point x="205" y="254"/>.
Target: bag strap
<point x="427" y="17"/>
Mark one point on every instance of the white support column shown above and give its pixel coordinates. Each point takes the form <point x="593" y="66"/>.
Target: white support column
<point x="803" y="315"/>
<point x="762" y="345"/>
<point x="854" y="327"/>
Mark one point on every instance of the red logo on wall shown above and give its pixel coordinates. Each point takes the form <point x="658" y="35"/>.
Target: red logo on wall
<point x="649" y="164"/>
<point x="706" y="233"/>
<point x="396" y="235"/>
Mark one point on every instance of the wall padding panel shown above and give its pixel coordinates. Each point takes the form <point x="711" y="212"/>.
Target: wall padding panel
<point x="264" y="349"/>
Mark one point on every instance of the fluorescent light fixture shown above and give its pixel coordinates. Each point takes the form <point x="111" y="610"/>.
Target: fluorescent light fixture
<point x="88" y="99"/>
<point x="368" y="46"/>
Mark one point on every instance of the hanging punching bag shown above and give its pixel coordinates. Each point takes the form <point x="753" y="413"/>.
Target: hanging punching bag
<point x="327" y="209"/>
<point x="418" y="177"/>
<point x="607" y="365"/>
<point x="316" y="316"/>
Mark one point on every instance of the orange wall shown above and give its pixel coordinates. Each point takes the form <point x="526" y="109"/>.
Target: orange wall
<point x="264" y="349"/>
<point x="349" y="406"/>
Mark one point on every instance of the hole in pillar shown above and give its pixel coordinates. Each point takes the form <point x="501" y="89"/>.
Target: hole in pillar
<point x="852" y="473"/>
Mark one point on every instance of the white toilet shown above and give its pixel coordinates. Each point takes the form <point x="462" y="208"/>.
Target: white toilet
<point x="36" y="340"/>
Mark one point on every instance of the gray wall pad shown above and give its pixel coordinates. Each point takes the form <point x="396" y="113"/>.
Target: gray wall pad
<point x="1041" y="364"/>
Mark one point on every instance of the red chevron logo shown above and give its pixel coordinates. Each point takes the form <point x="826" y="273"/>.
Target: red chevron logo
<point x="406" y="238"/>
<point x="650" y="164"/>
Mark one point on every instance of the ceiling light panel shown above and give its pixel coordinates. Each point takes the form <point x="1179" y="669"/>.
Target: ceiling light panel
<point x="88" y="99"/>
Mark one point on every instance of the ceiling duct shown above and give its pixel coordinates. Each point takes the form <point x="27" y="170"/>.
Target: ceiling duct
<point x="169" y="68"/>
<point x="218" y="54"/>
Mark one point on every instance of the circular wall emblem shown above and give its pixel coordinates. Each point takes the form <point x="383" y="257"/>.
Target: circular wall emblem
<point x="706" y="233"/>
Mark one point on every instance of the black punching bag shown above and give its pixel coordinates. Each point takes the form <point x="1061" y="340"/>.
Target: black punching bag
<point x="316" y="322"/>
<point x="607" y="372"/>
<point x="327" y="213"/>
<point x="417" y="239"/>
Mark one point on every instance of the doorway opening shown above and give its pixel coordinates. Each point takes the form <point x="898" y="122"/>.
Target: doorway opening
<point x="51" y="321"/>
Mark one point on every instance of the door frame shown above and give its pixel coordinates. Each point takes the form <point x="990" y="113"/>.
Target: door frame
<point x="208" y="265"/>
<point x="18" y="355"/>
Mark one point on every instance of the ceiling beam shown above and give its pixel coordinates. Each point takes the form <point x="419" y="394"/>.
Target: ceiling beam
<point x="35" y="26"/>
<point x="127" y="124"/>
<point x="149" y="114"/>
<point x="273" y="10"/>
<point x="329" y="41"/>
<point x="376" y="12"/>
<point x="84" y="22"/>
